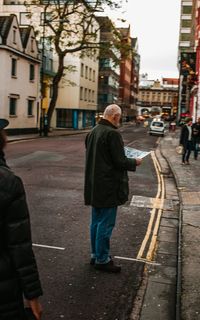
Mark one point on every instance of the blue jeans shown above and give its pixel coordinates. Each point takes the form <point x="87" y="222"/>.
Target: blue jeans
<point x="102" y="224"/>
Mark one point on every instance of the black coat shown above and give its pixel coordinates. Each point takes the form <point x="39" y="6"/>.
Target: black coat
<point x="18" y="269"/>
<point x="196" y="132"/>
<point x="184" y="136"/>
<point x="106" y="179"/>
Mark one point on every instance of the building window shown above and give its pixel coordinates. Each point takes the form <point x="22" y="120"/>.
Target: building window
<point x="32" y="44"/>
<point x="51" y="64"/>
<point x="185" y="37"/>
<point x="187" y="9"/>
<point x="85" y="94"/>
<point x="82" y="68"/>
<point x="105" y="97"/>
<point x="86" y="72"/>
<point x="105" y="80"/>
<point x="81" y="93"/>
<point x="30" y="107"/>
<point x="14" y="36"/>
<point x="14" y="67"/>
<point x="50" y="91"/>
<point x="186" y="23"/>
<point x="64" y="118"/>
<point x="13" y="106"/>
<point x="32" y="72"/>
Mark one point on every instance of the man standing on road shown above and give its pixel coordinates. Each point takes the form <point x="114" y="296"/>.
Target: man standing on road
<point x="106" y="184"/>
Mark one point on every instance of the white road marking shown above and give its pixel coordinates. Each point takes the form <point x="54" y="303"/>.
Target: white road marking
<point x="138" y="260"/>
<point x="49" y="247"/>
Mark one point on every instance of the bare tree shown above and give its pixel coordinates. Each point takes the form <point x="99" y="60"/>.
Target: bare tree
<point x="71" y="26"/>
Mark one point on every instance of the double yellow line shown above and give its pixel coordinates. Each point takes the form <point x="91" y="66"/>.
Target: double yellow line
<point x="155" y="217"/>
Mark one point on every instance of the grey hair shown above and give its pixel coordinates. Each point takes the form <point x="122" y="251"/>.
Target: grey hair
<point x="112" y="110"/>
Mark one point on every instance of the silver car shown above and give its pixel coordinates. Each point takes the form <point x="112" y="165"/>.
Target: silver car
<point x="157" y="127"/>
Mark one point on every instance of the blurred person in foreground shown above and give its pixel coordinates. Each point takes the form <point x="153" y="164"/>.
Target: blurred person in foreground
<point x="196" y="137"/>
<point x="186" y="140"/>
<point x="19" y="279"/>
<point x="106" y="184"/>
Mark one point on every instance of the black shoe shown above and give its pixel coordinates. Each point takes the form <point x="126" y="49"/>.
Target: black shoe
<point x="108" y="267"/>
<point x="92" y="261"/>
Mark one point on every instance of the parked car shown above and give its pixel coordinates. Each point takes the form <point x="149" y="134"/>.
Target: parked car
<point x="157" y="127"/>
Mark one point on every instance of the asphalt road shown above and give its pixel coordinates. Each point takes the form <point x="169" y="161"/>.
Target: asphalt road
<point x="53" y="173"/>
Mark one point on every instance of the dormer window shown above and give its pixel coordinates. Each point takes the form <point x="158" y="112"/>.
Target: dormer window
<point x="14" y="35"/>
<point x="32" y="44"/>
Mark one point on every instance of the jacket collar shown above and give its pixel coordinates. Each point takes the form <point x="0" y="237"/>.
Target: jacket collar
<point x="107" y="123"/>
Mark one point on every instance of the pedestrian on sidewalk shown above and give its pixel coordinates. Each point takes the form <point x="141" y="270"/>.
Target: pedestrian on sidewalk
<point x="186" y="140"/>
<point x="106" y="184"/>
<point x="19" y="283"/>
<point x="196" y="137"/>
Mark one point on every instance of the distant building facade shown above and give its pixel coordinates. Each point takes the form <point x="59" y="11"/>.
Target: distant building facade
<point x="77" y="97"/>
<point x="109" y="70"/>
<point x="187" y="60"/>
<point x="19" y="77"/>
<point x="158" y="97"/>
<point x="129" y="75"/>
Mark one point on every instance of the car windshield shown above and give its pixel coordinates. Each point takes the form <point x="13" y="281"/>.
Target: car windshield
<point x="157" y="124"/>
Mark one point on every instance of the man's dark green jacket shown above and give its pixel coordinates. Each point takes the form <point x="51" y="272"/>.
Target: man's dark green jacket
<point x="106" y="178"/>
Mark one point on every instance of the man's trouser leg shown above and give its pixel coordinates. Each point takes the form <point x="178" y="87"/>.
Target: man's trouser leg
<point x="102" y="224"/>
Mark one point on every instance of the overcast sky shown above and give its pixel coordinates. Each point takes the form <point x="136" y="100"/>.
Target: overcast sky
<point x="156" y="25"/>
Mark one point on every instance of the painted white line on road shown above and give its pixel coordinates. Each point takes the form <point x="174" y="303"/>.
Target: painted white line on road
<point x="19" y="141"/>
<point x="49" y="247"/>
<point x="138" y="260"/>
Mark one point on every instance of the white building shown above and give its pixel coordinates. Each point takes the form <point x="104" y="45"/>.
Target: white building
<point x="19" y="76"/>
<point x="76" y="103"/>
<point x="77" y="96"/>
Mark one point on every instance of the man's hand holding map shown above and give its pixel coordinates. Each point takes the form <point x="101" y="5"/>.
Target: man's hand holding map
<point x="135" y="153"/>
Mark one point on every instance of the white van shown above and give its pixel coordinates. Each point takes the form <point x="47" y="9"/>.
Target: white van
<point x="157" y="127"/>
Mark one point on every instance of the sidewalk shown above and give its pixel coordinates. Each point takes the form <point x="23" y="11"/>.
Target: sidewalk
<point x="188" y="185"/>
<point x="54" y="133"/>
<point x="173" y="291"/>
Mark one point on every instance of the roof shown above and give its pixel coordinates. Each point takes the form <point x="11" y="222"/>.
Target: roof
<point x="5" y="24"/>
